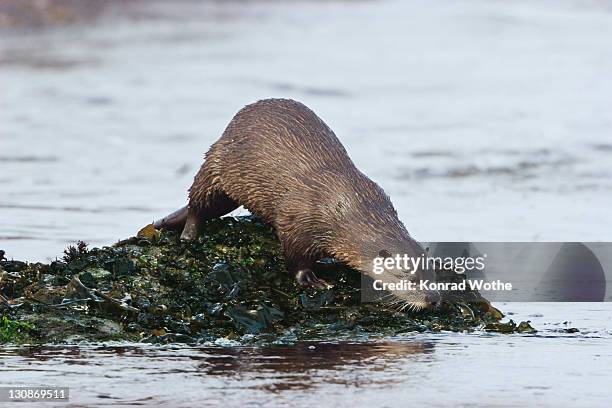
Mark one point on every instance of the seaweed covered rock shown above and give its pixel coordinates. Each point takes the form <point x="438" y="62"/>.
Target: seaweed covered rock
<point x="229" y="284"/>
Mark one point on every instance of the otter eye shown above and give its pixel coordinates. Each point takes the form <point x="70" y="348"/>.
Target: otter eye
<point x="384" y="253"/>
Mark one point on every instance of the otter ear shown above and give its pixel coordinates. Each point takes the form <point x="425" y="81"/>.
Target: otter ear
<point x="383" y="253"/>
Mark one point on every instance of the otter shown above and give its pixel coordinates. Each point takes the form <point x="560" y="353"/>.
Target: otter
<point x="280" y="161"/>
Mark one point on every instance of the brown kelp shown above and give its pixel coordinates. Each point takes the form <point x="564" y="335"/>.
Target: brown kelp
<point x="229" y="284"/>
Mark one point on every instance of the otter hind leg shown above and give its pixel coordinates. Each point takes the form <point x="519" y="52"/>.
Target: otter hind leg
<point x="174" y="221"/>
<point x="215" y="204"/>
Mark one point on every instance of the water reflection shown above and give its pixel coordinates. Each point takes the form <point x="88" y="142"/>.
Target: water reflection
<point x="300" y="366"/>
<point x="443" y="369"/>
<point x="270" y="369"/>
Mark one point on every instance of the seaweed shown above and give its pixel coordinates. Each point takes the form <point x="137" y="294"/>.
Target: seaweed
<point x="12" y="331"/>
<point x="228" y="284"/>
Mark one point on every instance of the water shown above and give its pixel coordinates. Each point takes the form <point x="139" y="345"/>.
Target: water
<point x="446" y="369"/>
<point x="483" y="121"/>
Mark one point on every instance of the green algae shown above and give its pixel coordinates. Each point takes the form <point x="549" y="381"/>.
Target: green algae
<point x="230" y="283"/>
<point x="12" y="331"/>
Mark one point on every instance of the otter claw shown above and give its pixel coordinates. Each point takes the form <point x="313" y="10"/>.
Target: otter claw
<point x="306" y="278"/>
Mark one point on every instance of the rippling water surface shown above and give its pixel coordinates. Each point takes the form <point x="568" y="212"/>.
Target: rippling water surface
<point x="483" y="121"/>
<point x="477" y="370"/>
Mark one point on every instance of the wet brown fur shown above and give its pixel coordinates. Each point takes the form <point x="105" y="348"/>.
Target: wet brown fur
<point x="279" y="160"/>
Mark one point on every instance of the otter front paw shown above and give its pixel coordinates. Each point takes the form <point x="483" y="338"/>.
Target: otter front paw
<point x="306" y="278"/>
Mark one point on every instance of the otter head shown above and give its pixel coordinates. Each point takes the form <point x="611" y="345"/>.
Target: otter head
<point x="402" y="273"/>
<point x="366" y="229"/>
<point x="396" y="263"/>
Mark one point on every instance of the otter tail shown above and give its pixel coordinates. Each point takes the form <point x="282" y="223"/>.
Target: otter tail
<point x="174" y="221"/>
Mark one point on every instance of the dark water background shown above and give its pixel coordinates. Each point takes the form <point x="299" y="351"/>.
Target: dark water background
<point x="483" y="120"/>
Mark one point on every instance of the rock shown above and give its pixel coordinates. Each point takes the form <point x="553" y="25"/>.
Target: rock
<point x="229" y="285"/>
